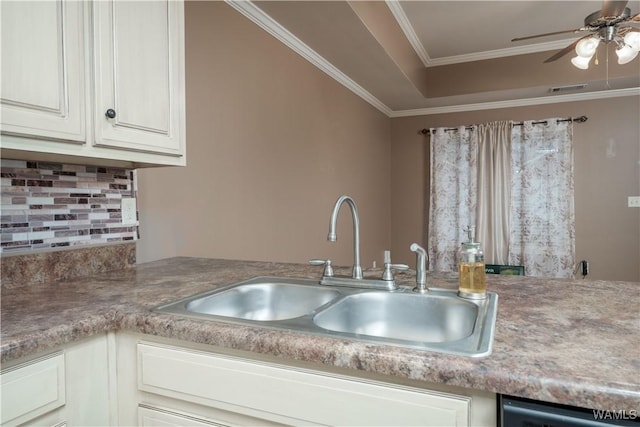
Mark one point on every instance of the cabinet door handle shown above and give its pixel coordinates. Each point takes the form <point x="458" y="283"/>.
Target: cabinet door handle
<point x="111" y="113"/>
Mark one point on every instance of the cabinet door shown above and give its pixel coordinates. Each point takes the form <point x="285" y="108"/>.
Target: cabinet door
<point x="139" y="75"/>
<point x="32" y="389"/>
<point x="43" y="69"/>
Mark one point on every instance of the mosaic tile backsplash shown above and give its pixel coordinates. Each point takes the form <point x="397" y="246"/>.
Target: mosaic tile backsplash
<point x="49" y="205"/>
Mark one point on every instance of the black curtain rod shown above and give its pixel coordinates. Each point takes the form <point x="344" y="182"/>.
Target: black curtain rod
<point x="580" y="119"/>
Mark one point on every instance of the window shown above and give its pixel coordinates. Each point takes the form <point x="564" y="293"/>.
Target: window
<point x="515" y="184"/>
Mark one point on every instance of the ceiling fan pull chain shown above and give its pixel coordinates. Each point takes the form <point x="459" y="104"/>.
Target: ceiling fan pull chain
<point x="607" y="86"/>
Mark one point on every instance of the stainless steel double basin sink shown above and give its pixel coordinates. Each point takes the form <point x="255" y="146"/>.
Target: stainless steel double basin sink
<point x="437" y="321"/>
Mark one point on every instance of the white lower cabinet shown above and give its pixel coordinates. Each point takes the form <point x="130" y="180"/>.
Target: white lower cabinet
<point x="131" y="379"/>
<point x="32" y="389"/>
<point x="176" y="385"/>
<point x="70" y="386"/>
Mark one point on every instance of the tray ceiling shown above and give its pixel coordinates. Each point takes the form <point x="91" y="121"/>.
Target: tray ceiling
<point x="407" y="57"/>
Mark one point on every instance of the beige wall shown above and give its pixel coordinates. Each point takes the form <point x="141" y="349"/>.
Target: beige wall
<point x="607" y="231"/>
<point x="271" y="143"/>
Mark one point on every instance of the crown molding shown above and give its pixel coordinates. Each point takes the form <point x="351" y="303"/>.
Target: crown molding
<point x="398" y="12"/>
<point x="264" y="21"/>
<point x="501" y="53"/>
<point x="615" y="93"/>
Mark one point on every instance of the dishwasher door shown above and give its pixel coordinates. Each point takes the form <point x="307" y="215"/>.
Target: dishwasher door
<point x="518" y="412"/>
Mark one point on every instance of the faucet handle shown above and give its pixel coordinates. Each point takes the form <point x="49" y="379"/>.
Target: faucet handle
<point x="388" y="267"/>
<point x="328" y="269"/>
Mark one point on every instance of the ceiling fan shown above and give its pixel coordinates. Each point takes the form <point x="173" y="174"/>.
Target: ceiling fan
<point x="613" y="23"/>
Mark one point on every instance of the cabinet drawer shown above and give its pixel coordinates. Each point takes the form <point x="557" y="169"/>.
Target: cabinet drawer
<point x="32" y="389"/>
<point x="150" y="416"/>
<point x="285" y="394"/>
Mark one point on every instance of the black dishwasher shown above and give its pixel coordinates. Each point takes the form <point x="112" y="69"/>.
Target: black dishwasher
<point x="519" y="412"/>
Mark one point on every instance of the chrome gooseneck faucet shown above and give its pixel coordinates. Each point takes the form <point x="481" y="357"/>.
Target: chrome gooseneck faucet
<point x="332" y="237"/>
<point x="356" y="280"/>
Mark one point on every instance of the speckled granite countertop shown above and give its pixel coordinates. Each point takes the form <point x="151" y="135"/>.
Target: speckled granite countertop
<point x="571" y="342"/>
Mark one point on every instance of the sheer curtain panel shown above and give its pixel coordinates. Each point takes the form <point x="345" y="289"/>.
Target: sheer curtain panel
<point x="453" y="193"/>
<point x="542" y="236"/>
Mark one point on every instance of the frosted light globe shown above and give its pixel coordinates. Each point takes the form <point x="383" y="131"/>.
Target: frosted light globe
<point x="587" y="47"/>
<point x="581" y="62"/>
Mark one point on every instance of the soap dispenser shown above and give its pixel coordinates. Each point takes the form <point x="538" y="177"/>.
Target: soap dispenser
<point x="472" y="281"/>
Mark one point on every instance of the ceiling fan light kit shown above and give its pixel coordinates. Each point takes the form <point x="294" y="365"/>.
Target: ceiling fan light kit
<point x="613" y="23"/>
<point x="627" y="46"/>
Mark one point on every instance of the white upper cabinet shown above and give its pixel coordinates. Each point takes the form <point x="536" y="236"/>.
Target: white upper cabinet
<point x="43" y="79"/>
<point x="94" y="80"/>
<point x="137" y="50"/>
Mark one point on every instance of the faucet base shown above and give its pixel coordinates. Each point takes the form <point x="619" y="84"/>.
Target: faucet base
<point x="388" y="285"/>
<point x="357" y="272"/>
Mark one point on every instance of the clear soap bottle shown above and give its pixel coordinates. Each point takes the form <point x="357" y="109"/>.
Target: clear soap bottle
<point x="472" y="280"/>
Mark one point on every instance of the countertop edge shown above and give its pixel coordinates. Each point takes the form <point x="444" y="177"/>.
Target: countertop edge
<point x="340" y="353"/>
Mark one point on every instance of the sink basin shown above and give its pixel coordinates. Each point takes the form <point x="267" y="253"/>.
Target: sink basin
<point x="438" y="321"/>
<point x="263" y="301"/>
<point x="401" y="316"/>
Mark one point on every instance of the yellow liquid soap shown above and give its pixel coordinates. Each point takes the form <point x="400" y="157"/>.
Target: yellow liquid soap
<point x="472" y="278"/>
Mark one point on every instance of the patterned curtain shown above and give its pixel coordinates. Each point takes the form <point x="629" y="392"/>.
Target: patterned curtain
<point x="542" y="232"/>
<point x="540" y="219"/>
<point x="453" y="195"/>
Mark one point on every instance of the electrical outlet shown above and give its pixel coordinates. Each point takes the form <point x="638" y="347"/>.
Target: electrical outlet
<point x="128" y="210"/>
<point x="585" y="267"/>
<point x="633" y="201"/>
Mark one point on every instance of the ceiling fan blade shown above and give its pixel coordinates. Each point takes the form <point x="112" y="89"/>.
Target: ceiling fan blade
<point x="632" y="21"/>
<point x="564" y="51"/>
<point x="576" y="30"/>
<point x="611" y="8"/>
